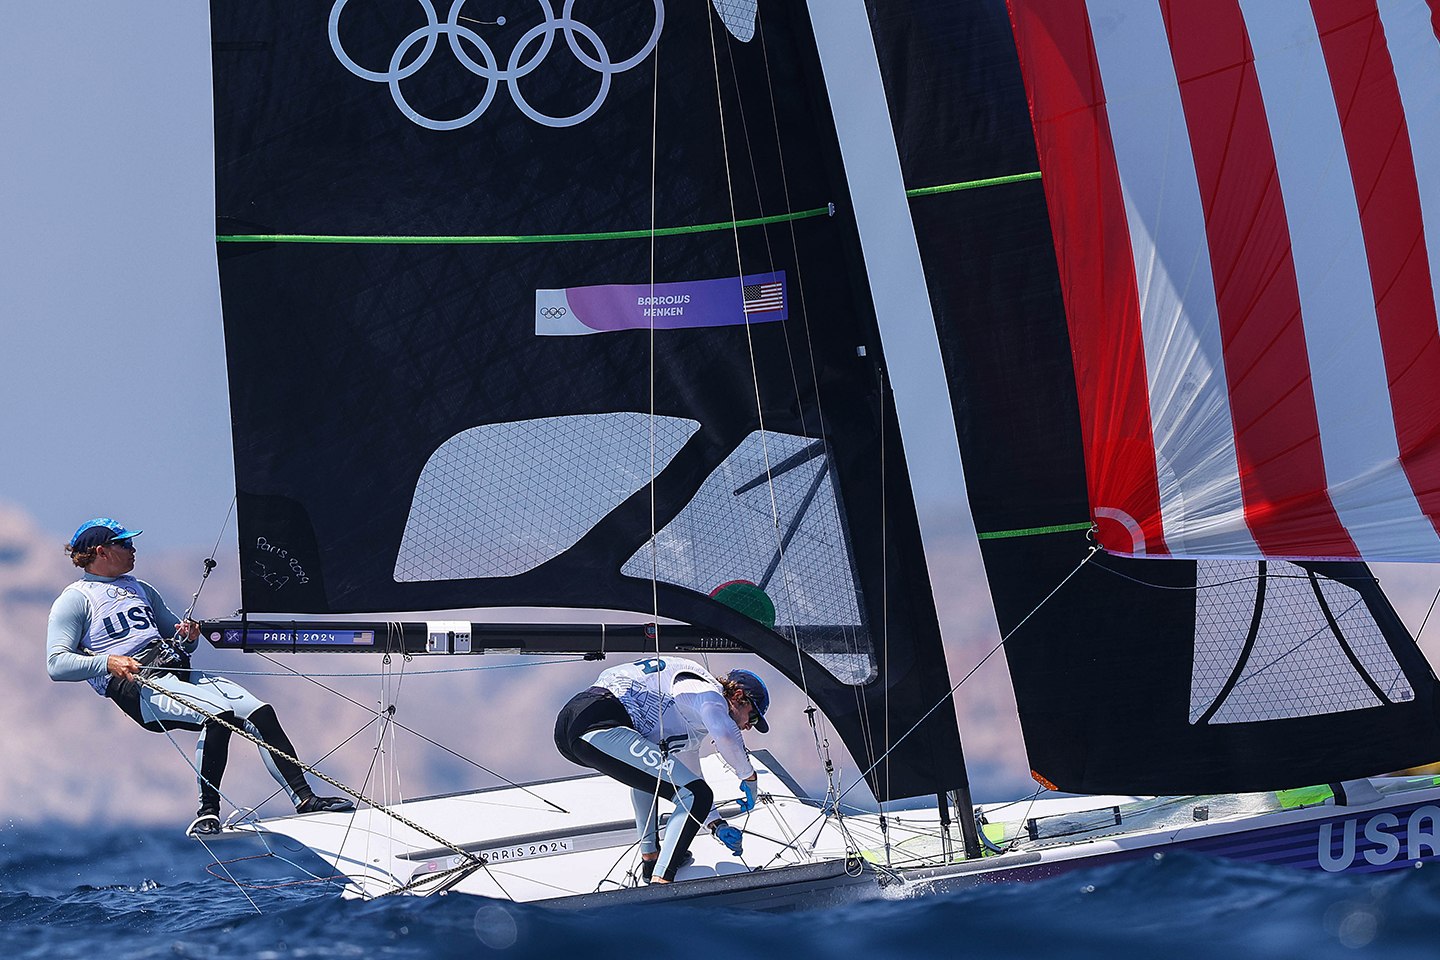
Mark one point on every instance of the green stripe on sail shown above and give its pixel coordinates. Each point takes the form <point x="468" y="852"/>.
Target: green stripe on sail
<point x="533" y="237"/>
<point x="972" y="184"/>
<point x="1034" y="531"/>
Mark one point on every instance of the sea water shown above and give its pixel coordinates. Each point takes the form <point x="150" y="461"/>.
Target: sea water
<point x="116" y="894"/>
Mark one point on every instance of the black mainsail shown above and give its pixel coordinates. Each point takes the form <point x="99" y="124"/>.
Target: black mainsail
<point x="1140" y="676"/>
<point x="569" y="312"/>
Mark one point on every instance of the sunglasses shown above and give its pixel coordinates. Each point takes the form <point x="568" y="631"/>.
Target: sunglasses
<point x="122" y="544"/>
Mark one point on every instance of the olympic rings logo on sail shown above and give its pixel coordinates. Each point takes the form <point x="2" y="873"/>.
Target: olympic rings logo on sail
<point x="553" y="313"/>
<point x="516" y="67"/>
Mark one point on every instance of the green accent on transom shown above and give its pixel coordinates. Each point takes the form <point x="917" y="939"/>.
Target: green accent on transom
<point x="972" y="184"/>
<point x="1303" y="796"/>
<point x="533" y="237"/>
<point x="1035" y="531"/>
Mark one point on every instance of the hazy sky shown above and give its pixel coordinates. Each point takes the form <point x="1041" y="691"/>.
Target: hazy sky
<point x="112" y="376"/>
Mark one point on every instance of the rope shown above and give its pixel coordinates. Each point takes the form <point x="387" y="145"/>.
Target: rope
<point x="993" y="650"/>
<point x="1427" y="617"/>
<point x="412" y="673"/>
<point x="222" y="864"/>
<point x="259" y="742"/>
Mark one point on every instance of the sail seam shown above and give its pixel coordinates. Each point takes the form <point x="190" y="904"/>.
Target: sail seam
<point x="1034" y="531"/>
<point x="972" y="184"/>
<point x="527" y="238"/>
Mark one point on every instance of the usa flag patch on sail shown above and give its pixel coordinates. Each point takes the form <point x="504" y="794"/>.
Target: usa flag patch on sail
<point x="1244" y="197"/>
<point x="764" y="297"/>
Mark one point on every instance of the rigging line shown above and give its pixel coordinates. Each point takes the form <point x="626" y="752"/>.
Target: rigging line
<point x="750" y="342"/>
<point x="328" y="754"/>
<point x="395" y="631"/>
<point x="822" y="742"/>
<point x="759" y="198"/>
<point x="1427" y="617"/>
<point x="532" y="662"/>
<point x="1015" y="840"/>
<point x="526" y="238"/>
<point x="308" y="768"/>
<point x="201" y="777"/>
<point x="1321" y="630"/>
<point x="794" y="241"/>
<point x="215" y="549"/>
<point x="237" y="884"/>
<point x="653" y="815"/>
<point x="972" y="184"/>
<point x="884" y="592"/>
<point x="951" y="692"/>
<point x="1200" y="586"/>
<point x="209" y="563"/>
<point x="413" y="732"/>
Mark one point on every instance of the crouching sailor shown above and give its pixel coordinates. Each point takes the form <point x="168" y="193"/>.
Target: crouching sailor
<point x="107" y="628"/>
<point x="643" y="724"/>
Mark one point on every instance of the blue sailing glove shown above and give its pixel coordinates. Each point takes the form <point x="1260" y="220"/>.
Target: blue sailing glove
<point x="728" y="835"/>
<point x="747" y="802"/>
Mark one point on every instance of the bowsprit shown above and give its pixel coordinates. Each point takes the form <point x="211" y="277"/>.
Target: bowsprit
<point x="517" y="66"/>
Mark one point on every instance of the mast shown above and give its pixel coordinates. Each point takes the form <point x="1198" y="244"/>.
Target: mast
<point x="897" y="278"/>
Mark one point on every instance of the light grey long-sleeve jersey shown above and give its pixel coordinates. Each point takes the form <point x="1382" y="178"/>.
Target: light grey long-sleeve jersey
<point x="69" y="625"/>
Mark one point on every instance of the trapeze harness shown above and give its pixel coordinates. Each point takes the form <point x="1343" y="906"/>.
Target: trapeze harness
<point x="97" y="617"/>
<point x="643" y="724"/>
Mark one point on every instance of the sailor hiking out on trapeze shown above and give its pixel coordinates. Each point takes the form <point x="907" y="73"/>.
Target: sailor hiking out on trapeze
<point x="643" y="724"/>
<point x="107" y="628"/>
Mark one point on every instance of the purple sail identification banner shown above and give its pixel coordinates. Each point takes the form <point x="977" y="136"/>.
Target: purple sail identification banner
<point x="723" y="302"/>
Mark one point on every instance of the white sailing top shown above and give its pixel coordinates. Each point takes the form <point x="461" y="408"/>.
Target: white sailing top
<point x="676" y="703"/>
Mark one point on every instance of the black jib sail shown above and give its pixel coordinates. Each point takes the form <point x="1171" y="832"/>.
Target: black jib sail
<point x="565" y="307"/>
<point x="1139" y="676"/>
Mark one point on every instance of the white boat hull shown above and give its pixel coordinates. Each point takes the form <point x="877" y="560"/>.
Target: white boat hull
<point x="571" y="843"/>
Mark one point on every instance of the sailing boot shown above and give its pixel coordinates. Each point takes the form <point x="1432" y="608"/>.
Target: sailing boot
<point x="207" y="820"/>
<point x="647" y="867"/>
<point x="309" y="803"/>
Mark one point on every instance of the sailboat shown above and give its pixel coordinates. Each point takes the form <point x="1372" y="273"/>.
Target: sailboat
<point x="572" y="307"/>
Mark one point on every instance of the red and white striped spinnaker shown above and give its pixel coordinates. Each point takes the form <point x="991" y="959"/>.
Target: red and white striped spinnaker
<point x="1239" y="194"/>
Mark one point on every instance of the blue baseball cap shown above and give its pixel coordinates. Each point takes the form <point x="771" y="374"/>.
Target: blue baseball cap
<point x="754" y="688"/>
<point x="92" y="533"/>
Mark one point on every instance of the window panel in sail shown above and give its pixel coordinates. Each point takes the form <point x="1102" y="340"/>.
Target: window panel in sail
<point x="738" y="17"/>
<point x="499" y="499"/>
<point x="1267" y="624"/>
<point x="764" y="534"/>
